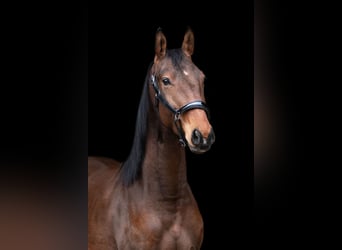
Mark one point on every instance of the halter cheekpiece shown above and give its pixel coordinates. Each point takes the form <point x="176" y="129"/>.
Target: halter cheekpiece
<point x="177" y="112"/>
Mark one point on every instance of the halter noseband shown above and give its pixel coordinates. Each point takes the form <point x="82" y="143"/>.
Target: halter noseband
<point x="177" y="112"/>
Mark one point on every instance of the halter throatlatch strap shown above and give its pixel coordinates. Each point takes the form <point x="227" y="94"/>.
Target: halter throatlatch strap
<point x="177" y="112"/>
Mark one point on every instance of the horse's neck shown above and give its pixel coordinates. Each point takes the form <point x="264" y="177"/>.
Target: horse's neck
<point x="164" y="173"/>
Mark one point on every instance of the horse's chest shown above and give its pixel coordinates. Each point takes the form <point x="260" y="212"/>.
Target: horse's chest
<point x="155" y="230"/>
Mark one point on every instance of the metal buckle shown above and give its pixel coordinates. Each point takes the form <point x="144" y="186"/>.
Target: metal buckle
<point x="177" y="116"/>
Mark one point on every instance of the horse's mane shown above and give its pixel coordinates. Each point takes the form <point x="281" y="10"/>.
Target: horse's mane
<point x="131" y="168"/>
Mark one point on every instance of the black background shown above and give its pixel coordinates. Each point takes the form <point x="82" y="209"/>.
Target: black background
<point x="44" y="95"/>
<point x="300" y="204"/>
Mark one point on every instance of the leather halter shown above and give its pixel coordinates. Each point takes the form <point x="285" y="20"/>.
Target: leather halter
<point x="177" y="112"/>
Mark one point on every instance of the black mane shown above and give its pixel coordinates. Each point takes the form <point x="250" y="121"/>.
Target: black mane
<point x="131" y="168"/>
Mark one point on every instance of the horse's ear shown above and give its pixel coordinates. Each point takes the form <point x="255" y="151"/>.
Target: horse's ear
<point x="188" y="42"/>
<point x="160" y="46"/>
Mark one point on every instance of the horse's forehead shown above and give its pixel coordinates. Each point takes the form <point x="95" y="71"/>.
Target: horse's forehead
<point x="183" y="67"/>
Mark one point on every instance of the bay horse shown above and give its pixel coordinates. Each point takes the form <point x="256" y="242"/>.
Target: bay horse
<point x="145" y="202"/>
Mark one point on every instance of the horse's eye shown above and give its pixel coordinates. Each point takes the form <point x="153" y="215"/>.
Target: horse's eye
<point x="166" y="81"/>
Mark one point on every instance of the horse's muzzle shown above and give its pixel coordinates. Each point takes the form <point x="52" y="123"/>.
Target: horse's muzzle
<point x="200" y="143"/>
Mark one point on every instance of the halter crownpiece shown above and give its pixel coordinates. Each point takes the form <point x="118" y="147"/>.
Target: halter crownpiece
<point x="178" y="112"/>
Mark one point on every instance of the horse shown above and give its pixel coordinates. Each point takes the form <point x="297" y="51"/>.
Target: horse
<point x="146" y="202"/>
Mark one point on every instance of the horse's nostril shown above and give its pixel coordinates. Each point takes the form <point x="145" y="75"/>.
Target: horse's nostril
<point x="196" y="137"/>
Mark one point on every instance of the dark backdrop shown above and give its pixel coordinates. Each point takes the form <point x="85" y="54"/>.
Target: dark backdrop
<point x="297" y="194"/>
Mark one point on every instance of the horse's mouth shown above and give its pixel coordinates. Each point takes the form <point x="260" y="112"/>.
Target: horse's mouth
<point x="199" y="150"/>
